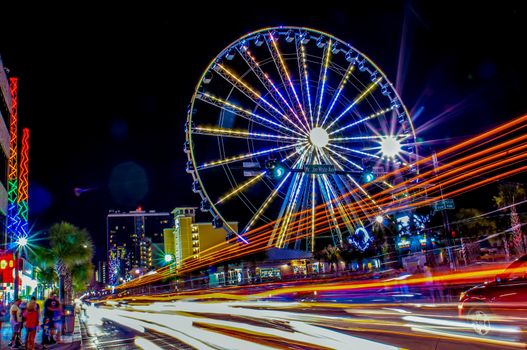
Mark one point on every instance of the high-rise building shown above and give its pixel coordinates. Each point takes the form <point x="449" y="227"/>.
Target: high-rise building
<point x="5" y="113"/>
<point x="189" y="238"/>
<point x="130" y="238"/>
<point x="101" y="273"/>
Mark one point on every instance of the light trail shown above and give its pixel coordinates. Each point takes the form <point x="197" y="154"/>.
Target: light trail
<point x="470" y="142"/>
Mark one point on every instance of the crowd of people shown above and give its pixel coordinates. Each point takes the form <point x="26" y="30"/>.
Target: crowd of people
<point x="26" y="314"/>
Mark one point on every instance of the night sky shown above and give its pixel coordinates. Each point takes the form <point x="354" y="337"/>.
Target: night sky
<point x="105" y="92"/>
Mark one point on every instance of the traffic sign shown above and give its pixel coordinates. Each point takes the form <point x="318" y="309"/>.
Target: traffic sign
<point x="319" y="169"/>
<point x="447" y="204"/>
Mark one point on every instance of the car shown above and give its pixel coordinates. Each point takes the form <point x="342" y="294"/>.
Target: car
<point x="499" y="305"/>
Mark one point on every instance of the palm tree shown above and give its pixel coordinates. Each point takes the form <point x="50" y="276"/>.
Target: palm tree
<point x="332" y="256"/>
<point x="46" y="276"/>
<point x="508" y="196"/>
<point x="70" y="247"/>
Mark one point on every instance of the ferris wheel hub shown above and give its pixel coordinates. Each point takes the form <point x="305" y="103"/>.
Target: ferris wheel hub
<point x="319" y="137"/>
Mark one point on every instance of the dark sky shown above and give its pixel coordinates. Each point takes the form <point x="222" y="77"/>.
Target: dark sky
<point x="105" y="91"/>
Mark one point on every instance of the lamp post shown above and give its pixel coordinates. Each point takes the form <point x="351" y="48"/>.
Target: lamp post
<point x="21" y="242"/>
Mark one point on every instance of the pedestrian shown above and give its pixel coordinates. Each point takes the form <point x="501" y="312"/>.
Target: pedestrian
<point x="46" y="332"/>
<point x="31" y="316"/>
<point x="34" y="299"/>
<point x="56" y="320"/>
<point x="48" y="315"/>
<point x="16" y="323"/>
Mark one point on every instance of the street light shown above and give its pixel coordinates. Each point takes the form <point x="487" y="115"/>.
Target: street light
<point x="21" y="242"/>
<point x="168" y="258"/>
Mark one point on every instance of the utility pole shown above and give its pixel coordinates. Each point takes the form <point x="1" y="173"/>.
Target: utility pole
<point x="446" y="224"/>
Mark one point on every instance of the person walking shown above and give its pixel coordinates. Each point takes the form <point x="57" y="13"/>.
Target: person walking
<point x="46" y="333"/>
<point x="57" y="320"/>
<point x="31" y="316"/>
<point x="49" y="307"/>
<point x="16" y="323"/>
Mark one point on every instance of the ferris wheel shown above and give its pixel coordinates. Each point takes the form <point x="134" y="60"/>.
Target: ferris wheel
<point x="290" y="124"/>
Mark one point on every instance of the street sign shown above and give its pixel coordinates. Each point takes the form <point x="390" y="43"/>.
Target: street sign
<point x="319" y="169"/>
<point x="447" y="204"/>
<point x="251" y="169"/>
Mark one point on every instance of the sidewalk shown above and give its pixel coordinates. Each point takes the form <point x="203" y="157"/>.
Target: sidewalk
<point x="69" y="342"/>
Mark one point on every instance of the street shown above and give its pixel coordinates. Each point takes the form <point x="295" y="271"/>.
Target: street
<point x="285" y="325"/>
<point x="369" y="314"/>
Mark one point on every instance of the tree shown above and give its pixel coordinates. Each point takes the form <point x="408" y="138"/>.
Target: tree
<point x="508" y="196"/>
<point x="81" y="276"/>
<point x="472" y="224"/>
<point x="332" y="256"/>
<point x="47" y="276"/>
<point x="70" y="249"/>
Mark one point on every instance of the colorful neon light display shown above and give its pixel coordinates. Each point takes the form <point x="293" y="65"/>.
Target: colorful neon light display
<point x="23" y="208"/>
<point x="12" y="176"/>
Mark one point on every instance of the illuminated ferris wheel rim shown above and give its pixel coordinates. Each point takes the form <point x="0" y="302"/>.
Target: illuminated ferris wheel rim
<point x="318" y="137"/>
<point x="307" y="29"/>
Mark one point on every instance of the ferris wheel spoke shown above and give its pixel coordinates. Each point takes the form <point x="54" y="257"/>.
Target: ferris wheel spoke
<point x="287" y="210"/>
<point x="336" y="95"/>
<point x="355" y="165"/>
<point x="304" y="76"/>
<point x="286" y="80"/>
<point x="370" y="198"/>
<point x="340" y="193"/>
<point x="241" y="157"/>
<point x="244" y="134"/>
<point x="355" y="151"/>
<point x="266" y="81"/>
<point x="341" y="208"/>
<point x="349" y="195"/>
<point x="359" y="98"/>
<point x="264" y="78"/>
<point x="362" y="120"/>
<point x="254" y="96"/>
<point x="356" y="138"/>
<point x="313" y="211"/>
<point x="298" y="151"/>
<point x="333" y="221"/>
<point x="322" y="80"/>
<point x="347" y="192"/>
<point x="247" y="114"/>
<point x="241" y="188"/>
<point x="361" y="189"/>
<point x="273" y="194"/>
<point x="265" y="204"/>
<point x="288" y="205"/>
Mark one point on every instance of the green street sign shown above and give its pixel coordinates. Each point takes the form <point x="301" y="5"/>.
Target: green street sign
<point x="445" y="204"/>
<point x="319" y="169"/>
